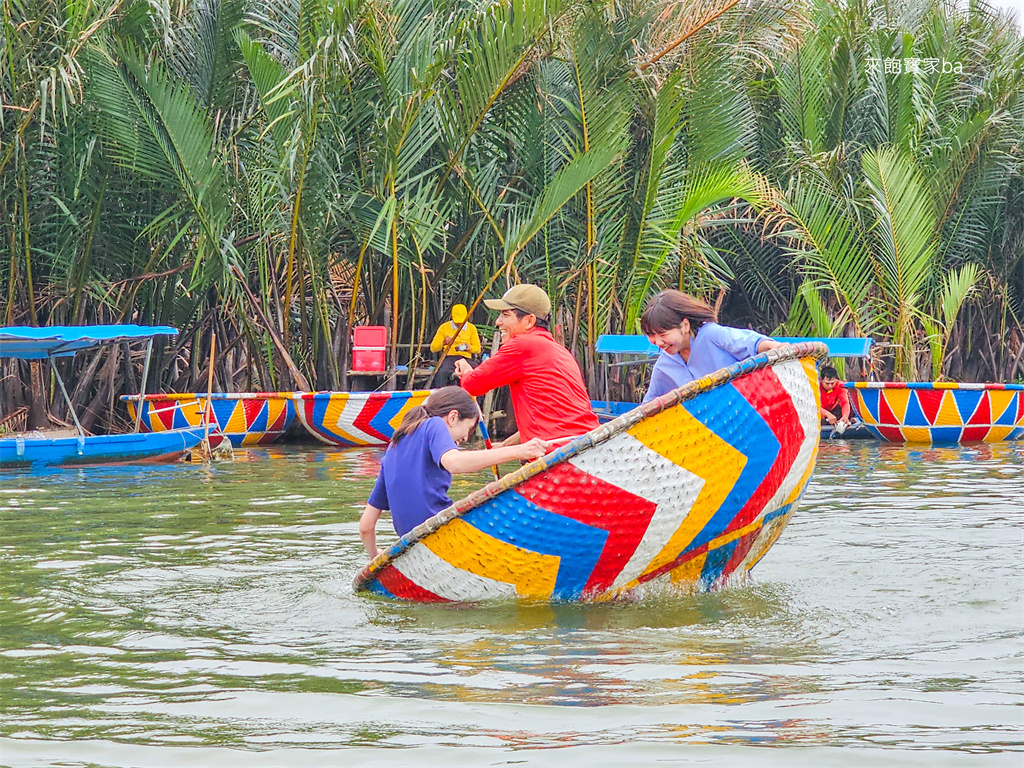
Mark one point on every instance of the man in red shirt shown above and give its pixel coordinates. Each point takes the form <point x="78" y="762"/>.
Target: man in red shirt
<point x="549" y="397"/>
<point x="835" y="400"/>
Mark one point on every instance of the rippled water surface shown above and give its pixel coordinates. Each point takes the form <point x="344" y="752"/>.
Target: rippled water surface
<point x="189" y="615"/>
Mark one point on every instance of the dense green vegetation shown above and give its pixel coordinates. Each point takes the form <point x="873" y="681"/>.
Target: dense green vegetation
<point x="278" y="171"/>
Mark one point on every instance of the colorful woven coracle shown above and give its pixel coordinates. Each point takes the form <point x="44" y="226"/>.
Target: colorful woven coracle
<point x="355" y="418"/>
<point x="246" y="418"/>
<point x="687" y="489"/>
<point x="939" y="412"/>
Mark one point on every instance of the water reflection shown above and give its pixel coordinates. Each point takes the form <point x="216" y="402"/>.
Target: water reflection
<point x="211" y="606"/>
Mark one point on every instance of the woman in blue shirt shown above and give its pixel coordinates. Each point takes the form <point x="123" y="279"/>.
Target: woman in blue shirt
<point x="692" y="342"/>
<point x="418" y="465"/>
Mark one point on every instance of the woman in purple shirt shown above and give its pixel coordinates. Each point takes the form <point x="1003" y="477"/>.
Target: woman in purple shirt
<point x="417" y="467"/>
<point x="692" y="342"/>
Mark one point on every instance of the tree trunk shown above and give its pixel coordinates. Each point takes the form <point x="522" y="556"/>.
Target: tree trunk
<point x="38" y="418"/>
<point x="87" y="418"/>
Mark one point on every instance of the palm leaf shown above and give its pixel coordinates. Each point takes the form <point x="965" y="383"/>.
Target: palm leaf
<point x="905" y="235"/>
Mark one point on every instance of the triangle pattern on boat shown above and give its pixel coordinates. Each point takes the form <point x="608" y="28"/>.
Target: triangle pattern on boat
<point x="254" y="410"/>
<point x="967" y="401"/>
<point x="982" y="412"/>
<point x="915" y="416"/>
<point x="897" y="399"/>
<point x="949" y="414"/>
<point x="1003" y="404"/>
<point x="868" y="400"/>
<point x="885" y="414"/>
<point x="929" y="400"/>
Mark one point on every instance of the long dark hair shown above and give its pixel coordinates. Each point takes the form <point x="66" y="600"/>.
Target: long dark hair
<point x="440" y="403"/>
<point x="669" y="308"/>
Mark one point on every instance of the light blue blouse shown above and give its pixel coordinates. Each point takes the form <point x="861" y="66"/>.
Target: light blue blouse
<point x="715" y="346"/>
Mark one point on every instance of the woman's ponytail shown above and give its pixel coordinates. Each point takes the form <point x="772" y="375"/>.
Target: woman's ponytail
<point x="412" y="419"/>
<point x="441" y="402"/>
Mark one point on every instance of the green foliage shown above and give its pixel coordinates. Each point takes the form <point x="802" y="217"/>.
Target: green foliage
<point x="377" y="160"/>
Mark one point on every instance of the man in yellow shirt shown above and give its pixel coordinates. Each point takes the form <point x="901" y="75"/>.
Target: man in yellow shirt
<point x="463" y="346"/>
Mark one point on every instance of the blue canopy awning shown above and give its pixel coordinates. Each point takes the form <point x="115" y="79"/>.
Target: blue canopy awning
<point x="611" y="344"/>
<point x="837" y="347"/>
<point x="27" y="343"/>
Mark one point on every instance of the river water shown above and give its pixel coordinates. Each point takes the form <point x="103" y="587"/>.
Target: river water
<point x="190" y="615"/>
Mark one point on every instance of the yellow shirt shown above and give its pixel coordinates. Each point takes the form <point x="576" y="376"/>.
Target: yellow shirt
<point x="467" y="338"/>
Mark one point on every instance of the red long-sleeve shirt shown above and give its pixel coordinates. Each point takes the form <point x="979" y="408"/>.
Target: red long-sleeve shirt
<point x="835" y="400"/>
<point x="548" y="394"/>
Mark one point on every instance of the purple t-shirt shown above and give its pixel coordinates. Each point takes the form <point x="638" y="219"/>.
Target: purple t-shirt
<point x="715" y="346"/>
<point x="412" y="483"/>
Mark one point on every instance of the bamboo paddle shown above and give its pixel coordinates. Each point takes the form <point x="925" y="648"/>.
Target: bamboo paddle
<point x="487" y="444"/>
<point x="209" y="397"/>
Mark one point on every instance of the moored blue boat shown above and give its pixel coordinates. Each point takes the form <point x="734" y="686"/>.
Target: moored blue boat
<point x="29" y="450"/>
<point x="32" y="449"/>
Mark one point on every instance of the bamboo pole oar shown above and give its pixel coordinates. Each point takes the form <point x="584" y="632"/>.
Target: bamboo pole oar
<point x="487" y="444"/>
<point x="209" y="397"/>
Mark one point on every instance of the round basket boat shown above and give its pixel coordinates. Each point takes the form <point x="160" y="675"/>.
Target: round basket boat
<point x="688" y="489"/>
<point x="940" y="412"/>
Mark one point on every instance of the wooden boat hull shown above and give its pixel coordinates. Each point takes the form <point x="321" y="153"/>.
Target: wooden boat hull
<point x="245" y="418"/>
<point x="355" y="418"/>
<point x="686" y="490"/>
<point x="134" y="447"/>
<point x="939" y="412"/>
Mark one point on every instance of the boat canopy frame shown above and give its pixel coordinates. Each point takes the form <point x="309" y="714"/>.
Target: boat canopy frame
<point x="30" y="343"/>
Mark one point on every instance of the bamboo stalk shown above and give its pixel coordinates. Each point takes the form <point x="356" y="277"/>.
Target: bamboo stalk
<point x="209" y="398"/>
<point x="293" y="369"/>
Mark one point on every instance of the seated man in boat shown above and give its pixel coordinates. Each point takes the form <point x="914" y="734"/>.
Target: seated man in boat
<point x="692" y="342"/>
<point x="455" y="344"/>
<point x="549" y="397"/>
<point x="835" y="400"/>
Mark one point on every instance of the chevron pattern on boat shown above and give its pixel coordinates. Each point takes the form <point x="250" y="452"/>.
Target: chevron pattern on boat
<point x="355" y="418"/>
<point x="688" y="496"/>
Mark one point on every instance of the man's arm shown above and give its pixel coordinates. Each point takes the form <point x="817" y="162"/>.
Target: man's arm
<point x="438" y="342"/>
<point x="474" y="340"/>
<point x="513" y="439"/>
<point x="844" y="402"/>
<point x="500" y="369"/>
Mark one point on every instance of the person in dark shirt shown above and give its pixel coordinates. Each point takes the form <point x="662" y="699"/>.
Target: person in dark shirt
<point x="417" y="467"/>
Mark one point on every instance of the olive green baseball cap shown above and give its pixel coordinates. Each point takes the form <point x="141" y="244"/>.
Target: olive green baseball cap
<point x="531" y="299"/>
